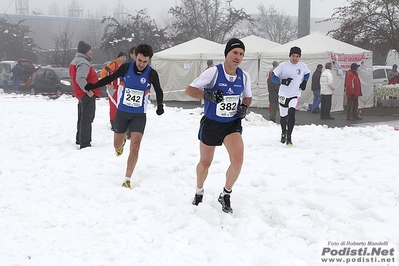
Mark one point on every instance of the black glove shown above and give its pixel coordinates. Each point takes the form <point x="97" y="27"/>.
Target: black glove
<point x="352" y="95"/>
<point x="286" y="82"/>
<point x="303" y="85"/>
<point x="216" y="96"/>
<point x="242" y="111"/>
<point x="89" y="87"/>
<point x="160" y="109"/>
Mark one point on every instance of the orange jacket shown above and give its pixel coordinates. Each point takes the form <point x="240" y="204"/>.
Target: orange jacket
<point x="109" y="69"/>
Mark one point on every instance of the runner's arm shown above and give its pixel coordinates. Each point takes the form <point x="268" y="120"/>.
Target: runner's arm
<point x="108" y="79"/>
<point x="154" y="80"/>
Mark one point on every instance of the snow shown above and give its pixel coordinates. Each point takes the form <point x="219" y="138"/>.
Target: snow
<point x="63" y="206"/>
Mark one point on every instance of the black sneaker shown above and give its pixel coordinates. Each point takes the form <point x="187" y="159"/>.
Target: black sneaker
<point x="197" y="199"/>
<point x="289" y="142"/>
<point x="225" y="201"/>
<point x="283" y="137"/>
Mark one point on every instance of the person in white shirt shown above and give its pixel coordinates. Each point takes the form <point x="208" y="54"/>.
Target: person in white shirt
<point x="326" y="91"/>
<point x="226" y="90"/>
<point x="292" y="77"/>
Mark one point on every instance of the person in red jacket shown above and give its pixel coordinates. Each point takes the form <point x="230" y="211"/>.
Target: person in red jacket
<point x="353" y="92"/>
<point x="81" y="73"/>
<point x="393" y="77"/>
<point x="112" y="89"/>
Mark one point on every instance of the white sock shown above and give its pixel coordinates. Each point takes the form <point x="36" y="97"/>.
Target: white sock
<point x="199" y="191"/>
<point x="127" y="178"/>
<point x="225" y="191"/>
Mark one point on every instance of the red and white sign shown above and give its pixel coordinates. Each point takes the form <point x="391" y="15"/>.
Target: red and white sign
<point x="344" y="61"/>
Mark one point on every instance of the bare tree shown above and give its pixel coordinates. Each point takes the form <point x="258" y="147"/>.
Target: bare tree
<point x="370" y="24"/>
<point x="274" y="25"/>
<point x="63" y="52"/>
<point x="93" y="33"/>
<point x="208" y="19"/>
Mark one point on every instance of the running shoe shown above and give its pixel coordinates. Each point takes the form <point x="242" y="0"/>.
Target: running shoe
<point x="225" y="201"/>
<point x="197" y="199"/>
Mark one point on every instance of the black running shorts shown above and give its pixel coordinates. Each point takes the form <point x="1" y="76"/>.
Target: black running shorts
<point x="212" y="133"/>
<point x="123" y="120"/>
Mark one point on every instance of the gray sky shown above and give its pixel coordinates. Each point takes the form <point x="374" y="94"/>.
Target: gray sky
<point x="158" y="8"/>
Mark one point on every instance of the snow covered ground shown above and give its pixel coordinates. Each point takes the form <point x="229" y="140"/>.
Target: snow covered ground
<point x="63" y="206"/>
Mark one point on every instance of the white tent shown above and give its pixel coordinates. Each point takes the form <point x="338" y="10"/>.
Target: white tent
<point x="316" y="49"/>
<point x="258" y="44"/>
<point x="178" y="66"/>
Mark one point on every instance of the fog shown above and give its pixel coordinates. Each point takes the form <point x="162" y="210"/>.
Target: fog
<point x="159" y="8"/>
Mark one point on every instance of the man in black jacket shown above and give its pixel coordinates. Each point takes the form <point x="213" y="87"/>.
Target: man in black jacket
<point x="314" y="108"/>
<point x="16" y="75"/>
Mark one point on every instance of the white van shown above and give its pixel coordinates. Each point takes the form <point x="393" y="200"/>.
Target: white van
<point x="380" y="75"/>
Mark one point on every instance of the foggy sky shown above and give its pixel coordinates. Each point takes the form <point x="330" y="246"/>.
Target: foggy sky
<point x="158" y="8"/>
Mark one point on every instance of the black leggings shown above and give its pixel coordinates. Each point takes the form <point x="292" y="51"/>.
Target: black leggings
<point x="287" y="122"/>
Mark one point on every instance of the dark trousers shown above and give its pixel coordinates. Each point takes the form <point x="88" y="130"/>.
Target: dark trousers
<point x="86" y="112"/>
<point x="16" y="84"/>
<point x="273" y="106"/>
<point x="325" y="106"/>
<point x="352" y="108"/>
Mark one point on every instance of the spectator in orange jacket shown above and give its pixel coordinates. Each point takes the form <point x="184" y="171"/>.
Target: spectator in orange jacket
<point x="81" y="73"/>
<point x="353" y="92"/>
<point x="112" y="89"/>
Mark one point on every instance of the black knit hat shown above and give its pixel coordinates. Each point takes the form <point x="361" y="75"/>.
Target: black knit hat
<point x="319" y="66"/>
<point x="354" y="66"/>
<point x="121" y="54"/>
<point x="295" y="50"/>
<point x="233" y="43"/>
<point x="83" y="47"/>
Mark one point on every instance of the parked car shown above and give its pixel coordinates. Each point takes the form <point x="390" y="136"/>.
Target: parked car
<point x="51" y="81"/>
<point x="28" y="70"/>
<point x="380" y="75"/>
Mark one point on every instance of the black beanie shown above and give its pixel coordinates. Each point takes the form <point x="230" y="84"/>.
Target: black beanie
<point x="354" y="66"/>
<point x="83" y="47"/>
<point x="295" y="50"/>
<point x="233" y="43"/>
<point x="121" y="54"/>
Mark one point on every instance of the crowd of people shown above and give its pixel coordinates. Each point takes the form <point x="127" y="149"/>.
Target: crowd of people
<point x="322" y="87"/>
